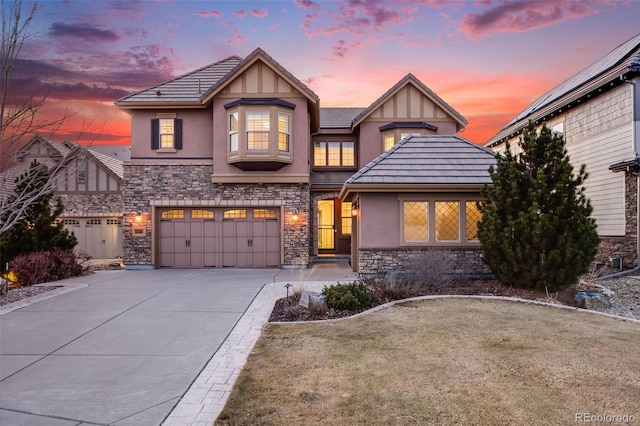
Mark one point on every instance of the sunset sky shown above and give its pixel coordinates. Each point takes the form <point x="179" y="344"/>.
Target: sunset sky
<point x="488" y="59"/>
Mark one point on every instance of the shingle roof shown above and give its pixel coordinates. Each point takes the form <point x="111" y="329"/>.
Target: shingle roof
<point x="621" y="60"/>
<point x="187" y="88"/>
<point x="428" y="160"/>
<point x="116" y="166"/>
<point x="338" y="118"/>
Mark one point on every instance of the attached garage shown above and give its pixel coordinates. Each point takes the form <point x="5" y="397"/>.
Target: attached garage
<point x="99" y="237"/>
<point x="218" y="237"/>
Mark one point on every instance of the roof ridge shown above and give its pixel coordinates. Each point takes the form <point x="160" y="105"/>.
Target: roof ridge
<point x="182" y="76"/>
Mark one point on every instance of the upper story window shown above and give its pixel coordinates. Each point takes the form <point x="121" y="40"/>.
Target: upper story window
<point x="259" y="133"/>
<point x="394" y="132"/>
<point x="166" y="133"/>
<point x="334" y="154"/>
<point x="82" y="171"/>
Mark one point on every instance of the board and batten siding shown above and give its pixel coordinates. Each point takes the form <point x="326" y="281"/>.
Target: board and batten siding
<point x="604" y="188"/>
<point x="98" y="179"/>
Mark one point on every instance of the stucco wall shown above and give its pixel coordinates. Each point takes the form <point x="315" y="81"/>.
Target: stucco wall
<point x="197" y="128"/>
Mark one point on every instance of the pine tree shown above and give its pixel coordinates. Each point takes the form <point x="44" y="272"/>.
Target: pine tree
<point x="37" y="230"/>
<point x="536" y="230"/>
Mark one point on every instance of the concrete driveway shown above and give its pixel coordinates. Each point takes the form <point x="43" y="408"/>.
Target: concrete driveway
<point x="126" y="347"/>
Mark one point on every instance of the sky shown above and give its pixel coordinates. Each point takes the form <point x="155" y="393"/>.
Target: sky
<point x="488" y="59"/>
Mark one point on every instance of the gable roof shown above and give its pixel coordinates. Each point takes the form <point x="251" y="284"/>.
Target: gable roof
<point x="186" y="89"/>
<point x="196" y="88"/>
<point x="114" y="165"/>
<point x="445" y="162"/>
<point x="613" y="68"/>
<point x="406" y="80"/>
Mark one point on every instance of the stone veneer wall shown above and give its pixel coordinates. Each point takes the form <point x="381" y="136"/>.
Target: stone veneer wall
<point x="379" y="261"/>
<point x="91" y="204"/>
<point x="171" y="184"/>
<point x="626" y="246"/>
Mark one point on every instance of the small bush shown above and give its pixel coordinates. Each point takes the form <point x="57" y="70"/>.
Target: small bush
<point x="430" y="268"/>
<point x="347" y="297"/>
<point x="45" y="266"/>
<point x="383" y="291"/>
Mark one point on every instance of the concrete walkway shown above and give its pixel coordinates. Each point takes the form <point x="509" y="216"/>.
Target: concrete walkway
<point x="139" y="347"/>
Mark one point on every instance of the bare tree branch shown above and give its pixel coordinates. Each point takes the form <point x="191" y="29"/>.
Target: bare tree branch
<point x="20" y="119"/>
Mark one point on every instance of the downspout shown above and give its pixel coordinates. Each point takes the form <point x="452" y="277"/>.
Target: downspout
<point x="635" y="123"/>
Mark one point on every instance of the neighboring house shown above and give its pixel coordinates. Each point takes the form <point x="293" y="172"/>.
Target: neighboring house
<point x="598" y="112"/>
<point x="236" y="165"/>
<point x="89" y="184"/>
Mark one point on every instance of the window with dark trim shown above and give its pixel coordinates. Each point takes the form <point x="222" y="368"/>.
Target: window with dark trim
<point x="166" y="133"/>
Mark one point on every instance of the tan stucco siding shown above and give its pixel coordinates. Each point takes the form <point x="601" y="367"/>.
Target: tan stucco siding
<point x="379" y="220"/>
<point x="196" y="134"/>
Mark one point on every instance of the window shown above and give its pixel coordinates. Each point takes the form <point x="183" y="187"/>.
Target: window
<point x="235" y="214"/>
<point x="82" y="171"/>
<point x="347" y="220"/>
<point x="258" y="130"/>
<point x="284" y="133"/>
<point x="233" y="132"/>
<point x="389" y="140"/>
<point x="172" y="214"/>
<point x="393" y="132"/>
<point x="264" y="214"/>
<point x="473" y="217"/>
<point x="334" y="154"/>
<point x="422" y="220"/>
<point x="166" y="133"/>
<point x="416" y="220"/>
<point x="201" y="214"/>
<point x="447" y="221"/>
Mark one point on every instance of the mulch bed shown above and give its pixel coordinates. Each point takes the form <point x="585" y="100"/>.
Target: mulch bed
<point x="285" y="312"/>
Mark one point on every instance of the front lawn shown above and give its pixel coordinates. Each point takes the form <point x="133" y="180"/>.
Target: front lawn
<point x="445" y="361"/>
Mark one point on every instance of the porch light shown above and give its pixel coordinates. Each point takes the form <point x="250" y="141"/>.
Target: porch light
<point x="354" y="211"/>
<point x="138" y="217"/>
<point x="295" y="216"/>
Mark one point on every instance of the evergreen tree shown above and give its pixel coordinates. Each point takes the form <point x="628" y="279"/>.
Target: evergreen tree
<point x="37" y="230"/>
<point x="536" y="230"/>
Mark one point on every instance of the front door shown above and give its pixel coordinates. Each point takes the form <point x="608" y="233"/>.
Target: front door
<point x="334" y="227"/>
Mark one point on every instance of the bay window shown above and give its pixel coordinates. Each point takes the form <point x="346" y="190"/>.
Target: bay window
<point x="259" y="133"/>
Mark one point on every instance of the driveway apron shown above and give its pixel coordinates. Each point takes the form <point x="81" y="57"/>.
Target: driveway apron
<point x="123" y="349"/>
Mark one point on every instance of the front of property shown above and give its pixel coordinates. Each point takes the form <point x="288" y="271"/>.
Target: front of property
<point x="236" y="165"/>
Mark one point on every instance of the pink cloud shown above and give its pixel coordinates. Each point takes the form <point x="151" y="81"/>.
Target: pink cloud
<point x="240" y="13"/>
<point x="306" y="4"/>
<point x="211" y="13"/>
<point x="274" y="26"/>
<point x="236" y="38"/>
<point x="523" y="16"/>
<point x="340" y="49"/>
<point x="259" y="13"/>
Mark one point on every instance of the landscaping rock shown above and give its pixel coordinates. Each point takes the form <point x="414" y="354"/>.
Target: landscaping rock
<point x="311" y="297"/>
<point x="591" y="300"/>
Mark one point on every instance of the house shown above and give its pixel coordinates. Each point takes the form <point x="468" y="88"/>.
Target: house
<point x="88" y="182"/>
<point x="598" y="112"/>
<point x="422" y="192"/>
<point x="236" y="164"/>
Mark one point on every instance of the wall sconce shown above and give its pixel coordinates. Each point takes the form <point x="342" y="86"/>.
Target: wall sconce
<point x="354" y="211"/>
<point x="138" y="217"/>
<point x="295" y="216"/>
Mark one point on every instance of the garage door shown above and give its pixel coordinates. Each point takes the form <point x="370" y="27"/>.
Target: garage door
<point x="232" y="237"/>
<point x="100" y="238"/>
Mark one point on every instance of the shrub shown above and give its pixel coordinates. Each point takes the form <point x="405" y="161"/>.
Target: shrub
<point x="430" y="268"/>
<point x="383" y="291"/>
<point x="347" y="297"/>
<point x="45" y="266"/>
